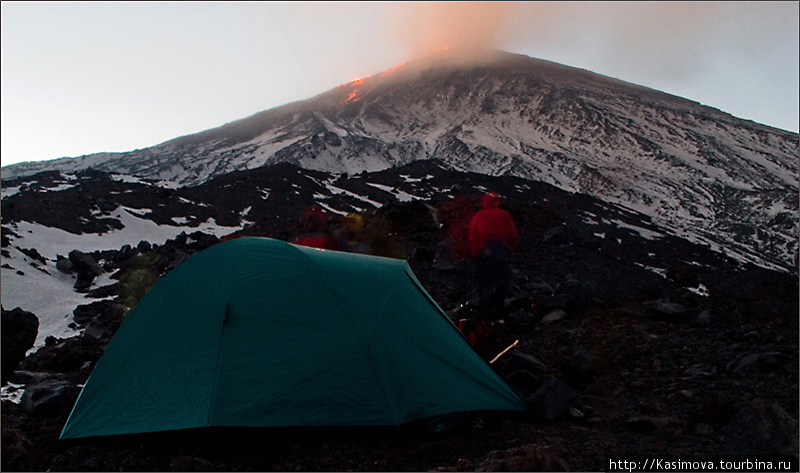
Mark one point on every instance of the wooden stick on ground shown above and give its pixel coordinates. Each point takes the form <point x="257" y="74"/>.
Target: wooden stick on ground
<point x="504" y="352"/>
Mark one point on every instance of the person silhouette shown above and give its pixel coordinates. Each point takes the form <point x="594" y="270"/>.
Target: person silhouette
<point x="493" y="238"/>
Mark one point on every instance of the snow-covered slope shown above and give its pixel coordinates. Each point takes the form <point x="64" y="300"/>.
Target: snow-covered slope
<point x="29" y="275"/>
<point x="695" y="170"/>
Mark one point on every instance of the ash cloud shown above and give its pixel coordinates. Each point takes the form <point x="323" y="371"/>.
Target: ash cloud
<point x="426" y="28"/>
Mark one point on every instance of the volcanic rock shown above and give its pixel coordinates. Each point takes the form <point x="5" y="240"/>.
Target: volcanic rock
<point x="761" y="428"/>
<point x="551" y="399"/>
<point x="19" y="330"/>
<point x="49" y="398"/>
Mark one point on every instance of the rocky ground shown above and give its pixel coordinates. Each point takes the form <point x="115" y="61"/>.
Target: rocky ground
<point x="627" y="348"/>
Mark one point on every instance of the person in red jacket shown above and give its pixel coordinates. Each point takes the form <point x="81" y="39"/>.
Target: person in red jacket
<point x="314" y="229"/>
<point x="493" y="237"/>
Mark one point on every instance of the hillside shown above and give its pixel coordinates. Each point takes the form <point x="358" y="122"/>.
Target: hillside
<point x="633" y="341"/>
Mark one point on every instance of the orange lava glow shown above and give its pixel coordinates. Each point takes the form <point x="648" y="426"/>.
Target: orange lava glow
<point x="392" y="69"/>
<point x="353" y="97"/>
<point x="359" y="89"/>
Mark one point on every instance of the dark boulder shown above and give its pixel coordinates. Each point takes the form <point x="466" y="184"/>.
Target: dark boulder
<point x="50" y="398"/>
<point x="761" y="428"/>
<point x="551" y="399"/>
<point x="524" y="381"/>
<point x="63" y="356"/>
<point x="104" y="310"/>
<point x="19" y="330"/>
<point x="87" y="269"/>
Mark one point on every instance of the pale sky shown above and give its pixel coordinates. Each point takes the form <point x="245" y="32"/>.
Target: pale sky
<point x="87" y="77"/>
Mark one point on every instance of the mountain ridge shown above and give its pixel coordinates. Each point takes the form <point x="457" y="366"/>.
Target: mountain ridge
<point x="715" y="178"/>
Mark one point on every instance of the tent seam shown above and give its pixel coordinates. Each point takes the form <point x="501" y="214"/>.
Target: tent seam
<point x="212" y="400"/>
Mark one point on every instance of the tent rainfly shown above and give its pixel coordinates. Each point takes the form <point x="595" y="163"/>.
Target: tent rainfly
<point x="258" y="332"/>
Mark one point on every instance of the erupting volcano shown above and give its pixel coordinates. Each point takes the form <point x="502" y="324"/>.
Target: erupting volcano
<point x="701" y="172"/>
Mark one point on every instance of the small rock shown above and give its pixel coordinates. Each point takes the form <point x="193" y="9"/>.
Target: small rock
<point x="576" y="414"/>
<point x="554" y="315"/>
<point x="518" y="361"/>
<point x="65" y="266"/>
<point x="667" y="311"/>
<point x="755" y="364"/>
<point x="555" y="235"/>
<point x="464" y="465"/>
<point x="191" y="464"/>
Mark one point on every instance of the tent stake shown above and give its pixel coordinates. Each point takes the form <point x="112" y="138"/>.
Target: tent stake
<point x="504" y="352"/>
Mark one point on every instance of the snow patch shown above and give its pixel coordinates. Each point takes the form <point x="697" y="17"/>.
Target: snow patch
<point x="50" y="241"/>
<point x="61" y="187"/>
<point x="128" y="179"/>
<point x="54" y="311"/>
<point x="645" y="233"/>
<point x="9" y="191"/>
<point x="399" y="195"/>
<point x="12" y="392"/>
<point x="338" y="190"/>
<point x="661" y="272"/>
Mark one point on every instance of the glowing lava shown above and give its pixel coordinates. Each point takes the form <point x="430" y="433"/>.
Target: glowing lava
<point x="353" y="97"/>
<point x="359" y="89"/>
<point x="393" y="68"/>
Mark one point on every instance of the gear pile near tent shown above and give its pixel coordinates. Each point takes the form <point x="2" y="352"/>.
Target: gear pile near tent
<point x="261" y="333"/>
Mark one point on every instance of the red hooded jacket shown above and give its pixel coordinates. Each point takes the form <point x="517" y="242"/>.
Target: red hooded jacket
<point x="492" y="223"/>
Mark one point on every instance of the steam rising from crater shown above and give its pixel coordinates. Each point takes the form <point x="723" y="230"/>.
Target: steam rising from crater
<point x="469" y="27"/>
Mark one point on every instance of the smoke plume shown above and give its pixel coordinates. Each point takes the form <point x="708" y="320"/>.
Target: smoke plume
<point x="430" y="27"/>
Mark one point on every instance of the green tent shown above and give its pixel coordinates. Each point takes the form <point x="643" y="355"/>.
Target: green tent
<point x="262" y="333"/>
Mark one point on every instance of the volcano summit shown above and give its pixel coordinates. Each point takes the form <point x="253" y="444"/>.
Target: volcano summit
<point x="704" y="174"/>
